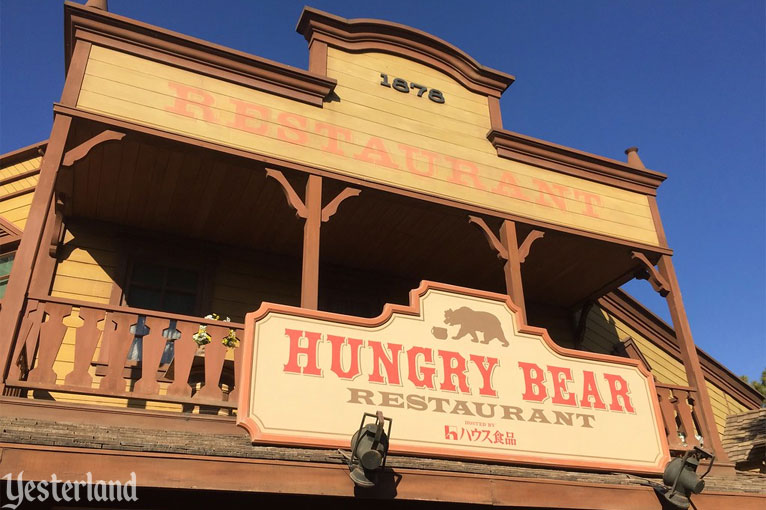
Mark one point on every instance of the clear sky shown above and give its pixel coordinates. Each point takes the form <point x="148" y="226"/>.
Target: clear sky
<point x="682" y="80"/>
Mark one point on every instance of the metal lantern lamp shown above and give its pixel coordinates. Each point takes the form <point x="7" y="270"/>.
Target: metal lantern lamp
<point x="681" y="476"/>
<point x="369" y="449"/>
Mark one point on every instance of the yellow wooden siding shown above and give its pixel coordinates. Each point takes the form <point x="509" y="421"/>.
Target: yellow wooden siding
<point x="20" y="167"/>
<point x="383" y="126"/>
<point x="85" y="270"/>
<point x="16" y="209"/>
<point x="604" y="330"/>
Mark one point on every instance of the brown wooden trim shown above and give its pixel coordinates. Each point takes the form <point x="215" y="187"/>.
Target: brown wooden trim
<point x="13" y="233"/>
<point x="512" y="267"/>
<point x="99" y="392"/>
<point x="376" y="35"/>
<point x="280" y="163"/>
<point x="136" y="311"/>
<point x="161" y="470"/>
<point x="654" y="329"/>
<point x="23" y="154"/>
<point x="18" y="177"/>
<point x="18" y="193"/>
<point x="156" y="43"/>
<point x="75" y="154"/>
<point x="657" y="221"/>
<point x="75" y="69"/>
<point x="21" y="275"/>
<point x="318" y="58"/>
<point x="118" y="416"/>
<point x="569" y="161"/>
<point x="631" y="349"/>
<point x="45" y="265"/>
<point x="694" y="374"/>
<point x="314" y="478"/>
<point x="311" y="233"/>
<point x="495" y="115"/>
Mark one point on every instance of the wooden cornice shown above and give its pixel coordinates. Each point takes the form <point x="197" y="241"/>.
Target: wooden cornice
<point x="396" y="39"/>
<point x="562" y="159"/>
<point x="654" y="329"/>
<point x="125" y="34"/>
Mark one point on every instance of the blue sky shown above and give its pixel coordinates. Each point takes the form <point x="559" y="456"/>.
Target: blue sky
<point x="682" y="80"/>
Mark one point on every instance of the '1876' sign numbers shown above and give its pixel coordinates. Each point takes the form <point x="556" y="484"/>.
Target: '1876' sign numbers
<point x="404" y="87"/>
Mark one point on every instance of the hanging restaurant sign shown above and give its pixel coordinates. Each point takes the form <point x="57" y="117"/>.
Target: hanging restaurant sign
<point x="459" y="376"/>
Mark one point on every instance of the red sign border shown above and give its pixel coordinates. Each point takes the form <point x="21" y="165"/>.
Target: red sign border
<point x="413" y="309"/>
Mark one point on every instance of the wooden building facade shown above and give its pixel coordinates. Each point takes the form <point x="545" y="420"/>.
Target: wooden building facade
<point x="182" y="178"/>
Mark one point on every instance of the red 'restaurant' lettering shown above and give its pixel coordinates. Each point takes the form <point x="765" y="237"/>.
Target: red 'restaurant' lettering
<point x="590" y="200"/>
<point x="561" y="395"/>
<point x="310" y="351"/>
<point x="556" y="198"/>
<point x="244" y="114"/>
<point x="534" y="379"/>
<point x="294" y="128"/>
<point x="619" y="390"/>
<point x="509" y="187"/>
<point x="462" y="168"/>
<point x="458" y="370"/>
<point x="375" y="152"/>
<point x="333" y="136"/>
<point x="590" y="389"/>
<point x="354" y="344"/>
<point x="190" y="97"/>
<point x="390" y="362"/>
<point x="421" y="377"/>
<point x="486" y="373"/>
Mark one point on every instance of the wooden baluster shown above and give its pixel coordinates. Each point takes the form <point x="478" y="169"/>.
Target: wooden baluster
<point x="215" y="352"/>
<point x="669" y="417"/>
<point x="234" y="393"/>
<point x="153" y="345"/>
<point x="26" y="342"/>
<point x="685" y="415"/>
<point x="183" y="357"/>
<point x="51" y="336"/>
<point x="85" y="347"/>
<point x="119" y="339"/>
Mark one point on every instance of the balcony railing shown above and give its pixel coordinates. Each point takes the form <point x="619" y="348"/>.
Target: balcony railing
<point x="76" y="347"/>
<point x="678" y="415"/>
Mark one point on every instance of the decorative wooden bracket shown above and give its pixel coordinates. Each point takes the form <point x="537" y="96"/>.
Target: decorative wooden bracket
<point x="311" y="210"/>
<point x="301" y="210"/>
<point x="332" y="207"/>
<point x="76" y="154"/>
<point x="292" y="197"/>
<point x="57" y="234"/>
<point x="508" y="250"/>
<point x="526" y="245"/>
<point x="492" y="239"/>
<point x="650" y="273"/>
<point x="497" y="245"/>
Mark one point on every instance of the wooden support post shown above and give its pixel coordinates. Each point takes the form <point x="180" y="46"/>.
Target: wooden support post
<point x="31" y="241"/>
<point x="508" y="250"/>
<point x="45" y="264"/>
<point x="694" y="374"/>
<point x="310" y="275"/>
<point x="312" y="211"/>
<point x="512" y="267"/>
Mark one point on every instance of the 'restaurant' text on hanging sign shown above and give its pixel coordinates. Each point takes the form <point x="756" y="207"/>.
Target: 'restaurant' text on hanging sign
<point x="459" y="376"/>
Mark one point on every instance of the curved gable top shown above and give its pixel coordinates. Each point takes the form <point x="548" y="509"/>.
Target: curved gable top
<point x="376" y="35"/>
